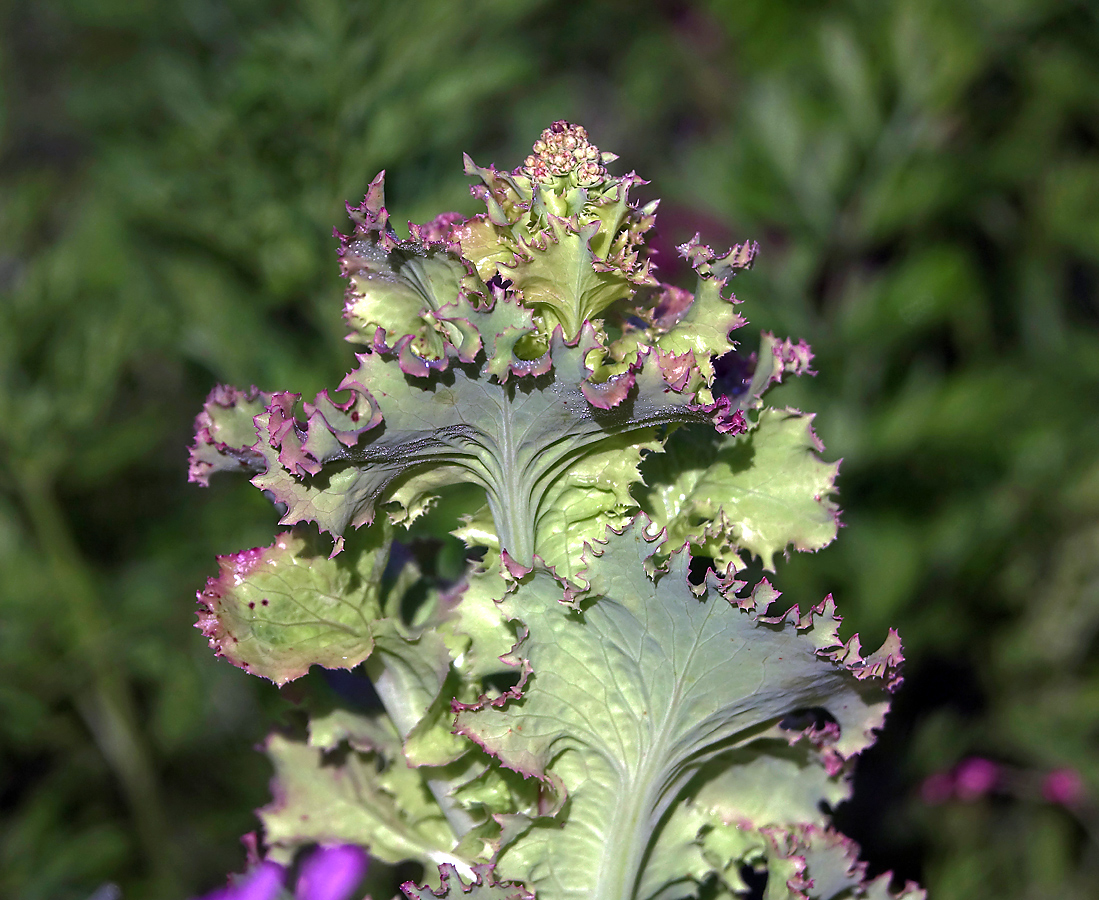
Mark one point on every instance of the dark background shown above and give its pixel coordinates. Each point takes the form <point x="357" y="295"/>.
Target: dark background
<point x="923" y="178"/>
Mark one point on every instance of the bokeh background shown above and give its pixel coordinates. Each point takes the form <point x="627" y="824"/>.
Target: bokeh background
<point x="923" y="178"/>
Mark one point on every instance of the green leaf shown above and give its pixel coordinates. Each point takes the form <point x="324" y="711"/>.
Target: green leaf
<point x="770" y="782"/>
<point x="483" y="886"/>
<point x="372" y="799"/>
<point x="809" y="862"/>
<point x="339" y="725"/>
<point x="679" y="861"/>
<point x="570" y="242"/>
<point x="760" y="492"/>
<point x="275" y="611"/>
<point x="410" y="668"/>
<point x="485" y="243"/>
<point x="579" y="507"/>
<point x="594" y="494"/>
<point x="643" y="688"/>
<point x="680" y="322"/>
<point x="408" y="672"/>
<point x="729" y="819"/>
<point x="397" y="290"/>
<point x="466" y="794"/>
<point x="225" y="433"/>
<point x="555" y="275"/>
<point x="521" y="441"/>
<point x="479" y="633"/>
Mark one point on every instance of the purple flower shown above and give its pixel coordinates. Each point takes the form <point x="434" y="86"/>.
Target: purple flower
<point x="263" y="883"/>
<point x="331" y="873"/>
<point x="328" y="873"/>
<point x="1064" y="787"/>
<point x="975" y="777"/>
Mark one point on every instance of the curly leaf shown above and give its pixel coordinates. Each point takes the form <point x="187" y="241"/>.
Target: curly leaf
<point x="775" y="360"/>
<point x="371" y="798"/>
<point x="275" y="611"/>
<point x="700" y="324"/>
<point x="578" y="508"/>
<point x="816" y="863"/>
<point x="484" y="886"/>
<point x="704" y="324"/>
<point x="225" y="433"/>
<point x="759" y="492"/>
<point x="593" y="495"/>
<point x="517" y="440"/>
<point x="397" y="290"/>
<point x="413" y="664"/>
<point x="485" y="244"/>
<point x="630" y="699"/>
<point x="555" y="274"/>
<point x="724" y="822"/>
<point x="773" y="786"/>
<point x="339" y="725"/>
<point x="561" y="230"/>
<point x="506" y="196"/>
<point x="480" y="634"/>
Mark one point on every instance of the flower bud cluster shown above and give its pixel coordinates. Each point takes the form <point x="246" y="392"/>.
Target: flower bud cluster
<point x="564" y="150"/>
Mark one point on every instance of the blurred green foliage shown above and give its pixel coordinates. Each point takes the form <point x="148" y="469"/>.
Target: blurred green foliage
<point x="925" y="176"/>
<point x="924" y="180"/>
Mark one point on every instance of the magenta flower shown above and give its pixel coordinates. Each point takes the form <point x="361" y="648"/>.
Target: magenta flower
<point x="975" y="777"/>
<point x="329" y="873"/>
<point x="262" y="883"/>
<point x="1064" y="787"/>
<point x="970" y="780"/>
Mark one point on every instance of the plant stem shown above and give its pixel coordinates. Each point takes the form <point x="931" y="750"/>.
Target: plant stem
<point x="513" y="513"/>
<point x="404" y="717"/>
<point x="514" y="521"/>
<point x="627" y="840"/>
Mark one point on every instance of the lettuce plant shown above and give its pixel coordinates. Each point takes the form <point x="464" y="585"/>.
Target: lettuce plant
<point x="606" y="705"/>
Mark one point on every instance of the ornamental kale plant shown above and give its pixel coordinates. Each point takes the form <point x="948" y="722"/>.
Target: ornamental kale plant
<point x="604" y="705"/>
